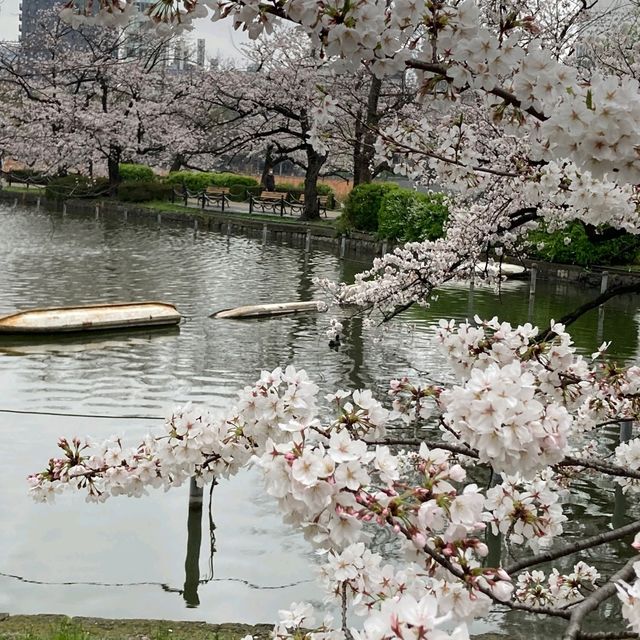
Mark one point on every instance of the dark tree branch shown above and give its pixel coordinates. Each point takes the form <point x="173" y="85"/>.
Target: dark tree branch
<point x="570" y="318"/>
<point x="593" y="601"/>
<point x="586" y="543"/>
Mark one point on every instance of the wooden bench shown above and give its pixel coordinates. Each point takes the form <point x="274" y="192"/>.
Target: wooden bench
<point x="272" y="201"/>
<point x="215" y="195"/>
<point x="323" y="201"/>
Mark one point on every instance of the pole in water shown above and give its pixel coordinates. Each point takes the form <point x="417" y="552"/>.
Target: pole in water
<point x="265" y="233"/>
<point x="38" y="203"/>
<point x="343" y="245"/>
<point x="384" y="247"/>
<point x="97" y="212"/>
<point x="604" y="283"/>
<point x="626" y="427"/>
<point x="194" y="540"/>
<point x="307" y="245"/>
<point x="159" y="218"/>
<point x="532" y="291"/>
<point x="64" y="209"/>
<point x="126" y="214"/>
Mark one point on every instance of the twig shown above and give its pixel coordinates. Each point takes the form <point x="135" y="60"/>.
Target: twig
<point x="608" y="635"/>
<point x="459" y="573"/>
<point x="580" y="611"/>
<point x="593" y="541"/>
<point x="570" y="318"/>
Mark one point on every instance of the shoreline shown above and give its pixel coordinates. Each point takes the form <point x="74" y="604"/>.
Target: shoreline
<point x="308" y="235"/>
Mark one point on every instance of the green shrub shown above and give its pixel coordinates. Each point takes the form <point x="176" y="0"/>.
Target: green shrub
<point x="362" y="206"/>
<point x="136" y="191"/>
<point x="193" y="180"/>
<point x="76" y="186"/>
<point x="199" y="180"/>
<point x="409" y="216"/>
<point x="572" y="245"/>
<point x="27" y="176"/>
<point x="233" y="179"/>
<point x="136" y="172"/>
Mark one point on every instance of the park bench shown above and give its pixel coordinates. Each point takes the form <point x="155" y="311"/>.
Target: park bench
<point x="184" y="194"/>
<point x="272" y="201"/>
<point x="215" y="195"/>
<point x="323" y="202"/>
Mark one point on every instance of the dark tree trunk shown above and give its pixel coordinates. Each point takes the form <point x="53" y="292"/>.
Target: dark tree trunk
<point x="314" y="165"/>
<point x="268" y="164"/>
<point x="113" y="167"/>
<point x="364" y="150"/>
<point x="177" y="163"/>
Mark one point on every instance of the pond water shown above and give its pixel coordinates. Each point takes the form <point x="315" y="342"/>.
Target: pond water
<point x="152" y="557"/>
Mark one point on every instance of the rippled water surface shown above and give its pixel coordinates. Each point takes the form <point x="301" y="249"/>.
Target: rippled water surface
<point x="134" y="558"/>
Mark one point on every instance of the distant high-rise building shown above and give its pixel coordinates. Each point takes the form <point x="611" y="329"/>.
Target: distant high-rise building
<point x="200" y="52"/>
<point x="28" y="12"/>
<point x="33" y="15"/>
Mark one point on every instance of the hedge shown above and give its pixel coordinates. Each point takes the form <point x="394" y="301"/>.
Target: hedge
<point x="136" y="172"/>
<point x="199" y="180"/>
<point x="410" y="216"/>
<point x="76" y="186"/>
<point x="572" y="245"/>
<point x="138" y="191"/>
<point x="363" y="204"/>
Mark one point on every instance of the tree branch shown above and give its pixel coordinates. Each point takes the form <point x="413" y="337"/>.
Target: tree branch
<point x="611" y="292"/>
<point x="592" y="602"/>
<point x="587" y="543"/>
<point x="509" y="98"/>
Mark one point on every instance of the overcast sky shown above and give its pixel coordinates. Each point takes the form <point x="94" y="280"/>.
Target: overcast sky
<point x="221" y="40"/>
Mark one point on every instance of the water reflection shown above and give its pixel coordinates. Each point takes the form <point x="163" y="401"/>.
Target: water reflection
<point x="49" y="260"/>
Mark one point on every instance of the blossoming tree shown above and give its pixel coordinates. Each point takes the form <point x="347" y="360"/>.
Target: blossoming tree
<point x="522" y="135"/>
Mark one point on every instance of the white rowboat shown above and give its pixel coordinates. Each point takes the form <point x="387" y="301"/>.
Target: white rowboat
<point x="278" y="309"/>
<point x="120" y="315"/>
<point x="505" y="269"/>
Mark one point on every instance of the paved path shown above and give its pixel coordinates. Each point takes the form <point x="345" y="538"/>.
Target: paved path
<point x="243" y="207"/>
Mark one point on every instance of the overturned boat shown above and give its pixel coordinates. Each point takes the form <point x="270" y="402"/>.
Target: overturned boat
<point x="95" y="317"/>
<point x="277" y="309"/>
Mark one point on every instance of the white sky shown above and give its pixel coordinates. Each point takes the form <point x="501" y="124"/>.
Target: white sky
<point x="220" y="38"/>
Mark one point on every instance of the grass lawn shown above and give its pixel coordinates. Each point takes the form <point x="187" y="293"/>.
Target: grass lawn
<point x="51" y="627"/>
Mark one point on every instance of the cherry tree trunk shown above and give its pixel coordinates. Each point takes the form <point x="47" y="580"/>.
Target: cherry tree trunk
<point x="268" y="164"/>
<point x="314" y="165"/>
<point x="113" y="167"/>
<point x="364" y="149"/>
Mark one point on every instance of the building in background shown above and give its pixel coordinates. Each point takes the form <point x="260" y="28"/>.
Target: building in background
<point x="28" y="13"/>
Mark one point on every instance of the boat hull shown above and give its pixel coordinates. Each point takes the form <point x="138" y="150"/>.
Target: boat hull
<point x="98" y="317"/>
<point x="265" y="310"/>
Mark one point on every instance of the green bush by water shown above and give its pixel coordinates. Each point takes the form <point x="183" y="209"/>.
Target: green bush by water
<point x="572" y="245"/>
<point x="409" y="216"/>
<point x="363" y="204"/>
<point x="27" y="176"/>
<point x="76" y="186"/>
<point x="137" y="191"/>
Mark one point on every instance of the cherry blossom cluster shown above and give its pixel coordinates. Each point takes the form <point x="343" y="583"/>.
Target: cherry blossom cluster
<point x="526" y="512"/>
<point x="558" y="590"/>
<point x="194" y="443"/>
